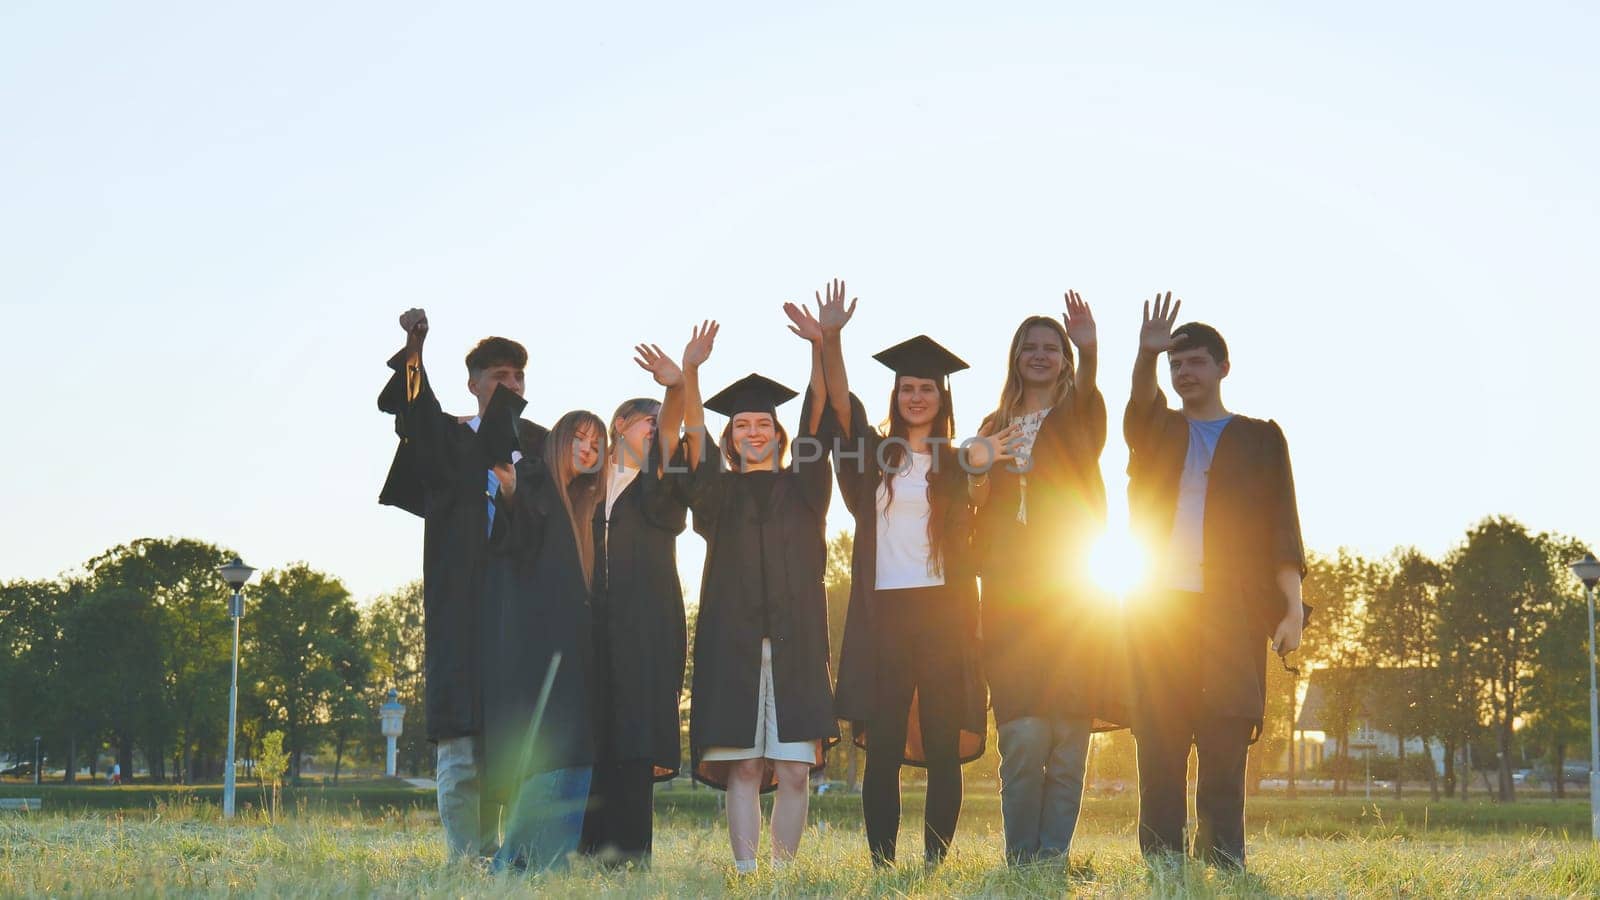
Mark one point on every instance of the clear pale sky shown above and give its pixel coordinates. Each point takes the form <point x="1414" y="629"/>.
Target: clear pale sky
<point x="212" y="214"/>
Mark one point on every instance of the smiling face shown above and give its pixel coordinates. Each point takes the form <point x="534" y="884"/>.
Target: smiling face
<point x="917" y="400"/>
<point x="1041" y="356"/>
<point x="1196" y="375"/>
<point x="755" y="434"/>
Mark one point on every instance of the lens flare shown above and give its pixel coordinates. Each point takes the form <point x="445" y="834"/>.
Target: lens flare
<point x="1117" y="563"/>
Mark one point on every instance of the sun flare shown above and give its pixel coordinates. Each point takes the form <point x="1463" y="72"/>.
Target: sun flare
<point x="1117" y="563"/>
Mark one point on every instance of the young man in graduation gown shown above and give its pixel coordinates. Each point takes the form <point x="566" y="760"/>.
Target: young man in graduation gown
<point x="439" y="473"/>
<point x="1213" y="495"/>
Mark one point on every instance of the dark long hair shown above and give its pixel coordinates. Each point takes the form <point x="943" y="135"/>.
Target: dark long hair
<point x="944" y="463"/>
<point x="581" y="492"/>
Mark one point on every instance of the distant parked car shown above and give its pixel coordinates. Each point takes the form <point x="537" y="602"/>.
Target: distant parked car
<point x="20" y="770"/>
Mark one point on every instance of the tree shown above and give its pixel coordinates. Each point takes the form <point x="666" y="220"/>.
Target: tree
<point x="32" y="689"/>
<point x="1555" y="695"/>
<point x="392" y="625"/>
<point x="174" y="591"/>
<point x="303" y="638"/>
<point x="1401" y="632"/>
<point x="1502" y="589"/>
<point x="1340" y="589"/>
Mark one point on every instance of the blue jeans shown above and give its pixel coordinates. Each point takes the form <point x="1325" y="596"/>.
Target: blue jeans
<point x="459" y="772"/>
<point x="1042" y="765"/>
<point x="543" y="826"/>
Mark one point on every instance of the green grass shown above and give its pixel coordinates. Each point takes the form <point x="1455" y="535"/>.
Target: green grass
<point x="1309" y="847"/>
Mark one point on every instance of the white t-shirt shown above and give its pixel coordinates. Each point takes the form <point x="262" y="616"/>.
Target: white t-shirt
<point x="904" y="557"/>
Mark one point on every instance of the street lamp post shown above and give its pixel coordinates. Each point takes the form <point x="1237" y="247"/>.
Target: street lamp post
<point x="235" y="574"/>
<point x="38" y="762"/>
<point x="1588" y="571"/>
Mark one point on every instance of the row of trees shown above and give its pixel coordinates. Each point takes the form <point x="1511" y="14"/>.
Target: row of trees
<point x="1485" y="648"/>
<point x="133" y="652"/>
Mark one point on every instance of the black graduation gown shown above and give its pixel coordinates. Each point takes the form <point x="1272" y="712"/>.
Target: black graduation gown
<point x="1251" y="530"/>
<point x="1051" y="640"/>
<point x="639" y="615"/>
<point x="856" y="462"/>
<point x="438" y="474"/>
<point x="783" y="557"/>
<point x="537" y="605"/>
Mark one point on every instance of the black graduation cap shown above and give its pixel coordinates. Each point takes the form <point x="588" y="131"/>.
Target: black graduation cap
<point x="752" y="393"/>
<point x="921" y="357"/>
<point x="497" y="429"/>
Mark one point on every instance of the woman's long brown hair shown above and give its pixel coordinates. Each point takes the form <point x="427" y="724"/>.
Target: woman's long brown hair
<point x="945" y="462"/>
<point x="580" y="491"/>
<point x="1011" y="395"/>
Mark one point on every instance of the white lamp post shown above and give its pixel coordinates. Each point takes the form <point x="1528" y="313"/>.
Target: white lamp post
<point x="235" y="574"/>
<point x="393" y="716"/>
<point x="1588" y="571"/>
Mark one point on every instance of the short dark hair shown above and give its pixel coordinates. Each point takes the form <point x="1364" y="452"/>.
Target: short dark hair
<point x="496" y="351"/>
<point x="1198" y="336"/>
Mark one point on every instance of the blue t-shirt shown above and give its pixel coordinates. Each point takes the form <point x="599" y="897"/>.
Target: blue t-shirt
<point x="1187" y="550"/>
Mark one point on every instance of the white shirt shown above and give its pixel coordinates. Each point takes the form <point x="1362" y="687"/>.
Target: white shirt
<point x="904" y="557"/>
<point x="620" y="478"/>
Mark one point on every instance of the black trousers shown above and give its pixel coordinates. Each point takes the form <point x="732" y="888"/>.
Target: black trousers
<point x="618" y="824"/>
<point x="917" y="640"/>
<point x="1170" y="717"/>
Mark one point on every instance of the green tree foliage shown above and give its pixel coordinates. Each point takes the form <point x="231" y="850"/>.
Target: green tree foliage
<point x="392" y="626"/>
<point x="304" y="639"/>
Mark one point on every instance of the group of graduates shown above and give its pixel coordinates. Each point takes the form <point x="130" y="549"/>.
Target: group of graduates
<point x="555" y="623"/>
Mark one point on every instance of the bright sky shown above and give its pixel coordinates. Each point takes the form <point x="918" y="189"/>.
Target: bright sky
<point x="212" y="214"/>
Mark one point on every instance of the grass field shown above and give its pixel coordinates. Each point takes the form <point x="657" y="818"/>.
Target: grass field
<point x="345" y="844"/>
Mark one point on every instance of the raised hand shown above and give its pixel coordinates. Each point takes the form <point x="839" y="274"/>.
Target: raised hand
<point x="1155" y="335"/>
<point x="993" y="445"/>
<point x="699" y="347"/>
<point x="650" y="358"/>
<point x="414" y="322"/>
<point x="1080" y="323"/>
<point x="832" y="314"/>
<point x="805" y="324"/>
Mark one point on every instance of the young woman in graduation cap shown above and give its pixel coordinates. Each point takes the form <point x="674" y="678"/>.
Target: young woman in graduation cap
<point x="909" y="678"/>
<point x="1043" y="627"/>
<point x="761" y="700"/>
<point x="538" y="735"/>
<point x="639" y="630"/>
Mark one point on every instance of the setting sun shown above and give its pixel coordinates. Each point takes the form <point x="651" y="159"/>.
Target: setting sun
<point x="1117" y="563"/>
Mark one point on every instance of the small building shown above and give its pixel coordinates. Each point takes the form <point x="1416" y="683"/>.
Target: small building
<point x="1370" y="700"/>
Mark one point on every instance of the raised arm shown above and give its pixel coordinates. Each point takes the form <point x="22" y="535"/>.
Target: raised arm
<point x="824" y="332"/>
<point x="1081" y="331"/>
<point x="695" y="353"/>
<point x="1155" y="338"/>
<point x="669" y="422"/>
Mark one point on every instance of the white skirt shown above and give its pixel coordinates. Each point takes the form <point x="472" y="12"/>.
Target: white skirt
<point x="766" y="744"/>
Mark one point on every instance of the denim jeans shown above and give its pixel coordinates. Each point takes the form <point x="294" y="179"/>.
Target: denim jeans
<point x="459" y="772"/>
<point x="1042" y="765"/>
<point x="543" y="826"/>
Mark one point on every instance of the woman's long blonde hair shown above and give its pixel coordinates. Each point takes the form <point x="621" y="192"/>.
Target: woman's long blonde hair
<point x="629" y="413"/>
<point x="580" y="491"/>
<point x="1011" y="395"/>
